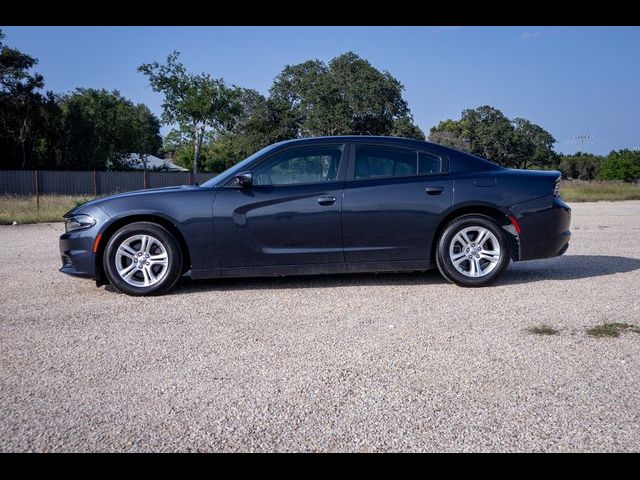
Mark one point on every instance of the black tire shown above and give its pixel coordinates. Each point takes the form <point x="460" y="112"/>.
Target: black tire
<point x="173" y="267"/>
<point x="445" y="264"/>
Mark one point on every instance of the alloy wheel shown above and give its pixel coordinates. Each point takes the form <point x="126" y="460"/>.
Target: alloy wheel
<point x="142" y="260"/>
<point x="474" y="251"/>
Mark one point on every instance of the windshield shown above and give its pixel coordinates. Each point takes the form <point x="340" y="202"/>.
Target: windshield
<point x="237" y="168"/>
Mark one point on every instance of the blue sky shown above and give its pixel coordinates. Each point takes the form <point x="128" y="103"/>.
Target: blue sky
<point x="569" y="80"/>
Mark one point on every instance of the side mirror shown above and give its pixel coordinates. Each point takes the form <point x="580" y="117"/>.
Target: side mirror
<point x="244" y="179"/>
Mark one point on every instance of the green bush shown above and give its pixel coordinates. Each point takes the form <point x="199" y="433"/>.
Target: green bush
<point x="621" y="165"/>
<point x="581" y="166"/>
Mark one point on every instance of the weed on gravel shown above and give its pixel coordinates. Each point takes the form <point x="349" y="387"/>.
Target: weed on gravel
<point x="612" y="330"/>
<point x="543" y="330"/>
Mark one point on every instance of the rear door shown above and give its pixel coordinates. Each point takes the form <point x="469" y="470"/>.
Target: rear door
<point x="394" y="198"/>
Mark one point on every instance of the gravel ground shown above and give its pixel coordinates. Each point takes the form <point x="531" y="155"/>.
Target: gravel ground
<point x="338" y="363"/>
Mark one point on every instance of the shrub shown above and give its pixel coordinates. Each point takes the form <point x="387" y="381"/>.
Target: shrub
<point x="621" y="165"/>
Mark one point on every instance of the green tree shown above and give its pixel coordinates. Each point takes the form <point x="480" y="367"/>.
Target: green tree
<point x="621" y="165"/>
<point x="21" y="105"/>
<point x="262" y="121"/>
<point x="198" y="103"/>
<point x="485" y="131"/>
<point x="178" y="144"/>
<point x="581" y="166"/>
<point x="99" y="128"/>
<point x="404" y="127"/>
<point x="348" y="96"/>
<point x="450" y="133"/>
<point x="532" y="145"/>
<point x="144" y="134"/>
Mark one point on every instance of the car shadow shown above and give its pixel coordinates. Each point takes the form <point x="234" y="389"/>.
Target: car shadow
<point x="567" y="267"/>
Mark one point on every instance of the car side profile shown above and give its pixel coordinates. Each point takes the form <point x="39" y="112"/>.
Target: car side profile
<point x="324" y="205"/>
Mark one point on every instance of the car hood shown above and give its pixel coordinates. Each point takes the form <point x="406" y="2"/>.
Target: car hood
<point x="99" y="202"/>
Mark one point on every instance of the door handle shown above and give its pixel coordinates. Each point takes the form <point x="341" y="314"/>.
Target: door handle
<point x="434" y="190"/>
<point x="327" y="200"/>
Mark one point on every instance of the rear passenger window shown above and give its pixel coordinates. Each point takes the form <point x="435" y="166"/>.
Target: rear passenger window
<point x="381" y="161"/>
<point x="373" y="162"/>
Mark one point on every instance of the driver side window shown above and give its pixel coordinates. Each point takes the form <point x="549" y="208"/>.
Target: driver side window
<point x="300" y="165"/>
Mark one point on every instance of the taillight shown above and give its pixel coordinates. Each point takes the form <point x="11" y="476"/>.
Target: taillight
<point x="556" y="188"/>
<point x="515" y="223"/>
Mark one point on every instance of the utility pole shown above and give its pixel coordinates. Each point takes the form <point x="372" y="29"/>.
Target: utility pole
<point x="582" y="137"/>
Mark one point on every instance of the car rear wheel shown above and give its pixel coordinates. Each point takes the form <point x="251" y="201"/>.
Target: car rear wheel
<point x="473" y="251"/>
<point x="143" y="258"/>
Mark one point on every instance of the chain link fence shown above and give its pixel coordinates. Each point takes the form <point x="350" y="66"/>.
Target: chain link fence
<point x="93" y="183"/>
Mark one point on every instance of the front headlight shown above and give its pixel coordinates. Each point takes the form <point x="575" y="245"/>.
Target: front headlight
<point x="77" y="222"/>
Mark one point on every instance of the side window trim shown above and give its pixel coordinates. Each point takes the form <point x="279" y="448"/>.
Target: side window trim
<point x="342" y="168"/>
<point x="351" y="168"/>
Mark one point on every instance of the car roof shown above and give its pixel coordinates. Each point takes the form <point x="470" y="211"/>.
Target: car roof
<point x="359" y="138"/>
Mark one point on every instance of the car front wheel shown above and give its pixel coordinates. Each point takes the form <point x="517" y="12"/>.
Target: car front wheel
<point x="143" y="258"/>
<point x="473" y="251"/>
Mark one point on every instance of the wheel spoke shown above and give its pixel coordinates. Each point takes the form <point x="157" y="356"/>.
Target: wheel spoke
<point x="492" y="256"/>
<point x="472" y="268"/>
<point x="460" y="260"/>
<point x="152" y="277"/>
<point x="457" y="256"/>
<point x="483" y="235"/>
<point x="127" y="251"/>
<point x="465" y="238"/>
<point x="126" y="272"/>
<point x="145" y="275"/>
<point x="478" y="268"/>
<point x="160" y="259"/>
<point x="458" y="238"/>
<point x="144" y="245"/>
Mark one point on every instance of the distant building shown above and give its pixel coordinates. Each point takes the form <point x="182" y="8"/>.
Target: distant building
<point x="134" y="161"/>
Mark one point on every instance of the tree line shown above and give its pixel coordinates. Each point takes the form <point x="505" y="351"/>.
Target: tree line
<point x="617" y="165"/>
<point x="518" y="143"/>
<point x="82" y="130"/>
<point x="216" y="124"/>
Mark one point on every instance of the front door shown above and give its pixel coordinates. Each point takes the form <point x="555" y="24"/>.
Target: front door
<point x="290" y="215"/>
<point x="394" y="198"/>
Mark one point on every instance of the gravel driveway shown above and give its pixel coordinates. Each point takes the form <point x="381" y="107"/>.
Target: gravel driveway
<point x="337" y="363"/>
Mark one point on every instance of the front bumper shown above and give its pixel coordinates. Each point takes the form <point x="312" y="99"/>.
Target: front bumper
<point x="76" y="247"/>
<point x="544" y="226"/>
<point x="76" y="253"/>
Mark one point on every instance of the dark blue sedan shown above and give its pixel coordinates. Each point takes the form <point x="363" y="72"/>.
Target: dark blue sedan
<point x="324" y="205"/>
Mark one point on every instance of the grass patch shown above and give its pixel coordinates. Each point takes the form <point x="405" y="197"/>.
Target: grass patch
<point x="543" y="330"/>
<point x="22" y="209"/>
<point x="579" y="191"/>
<point x="611" y="329"/>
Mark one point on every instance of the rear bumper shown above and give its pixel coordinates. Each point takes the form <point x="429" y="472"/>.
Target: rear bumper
<point x="545" y="227"/>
